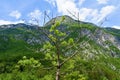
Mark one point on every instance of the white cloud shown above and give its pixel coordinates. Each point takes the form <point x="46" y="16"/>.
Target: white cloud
<point x="64" y="5"/>
<point x="102" y="1"/>
<point x="51" y="2"/>
<point x="4" y="22"/>
<point x="67" y="6"/>
<point x="36" y="14"/>
<point x="35" y="17"/>
<point x="96" y="15"/>
<point x="116" y="27"/>
<point x="104" y="12"/>
<point x="80" y="2"/>
<point x="85" y="14"/>
<point x="16" y="14"/>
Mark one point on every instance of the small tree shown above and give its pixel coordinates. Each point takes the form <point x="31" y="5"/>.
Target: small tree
<point x="58" y="48"/>
<point x="27" y="64"/>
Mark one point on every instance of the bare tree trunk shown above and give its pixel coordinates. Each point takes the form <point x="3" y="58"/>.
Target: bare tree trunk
<point x="58" y="64"/>
<point x="58" y="73"/>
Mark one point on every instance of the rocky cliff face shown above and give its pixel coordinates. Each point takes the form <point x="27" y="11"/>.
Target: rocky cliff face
<point x="106" y="40"/>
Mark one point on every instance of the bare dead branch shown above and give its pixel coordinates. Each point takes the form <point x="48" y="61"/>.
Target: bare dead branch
<point x="46" y="15"/>
<point x="72" y="14"/>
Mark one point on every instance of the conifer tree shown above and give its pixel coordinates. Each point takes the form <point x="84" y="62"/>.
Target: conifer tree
<point x="58" y="48"/>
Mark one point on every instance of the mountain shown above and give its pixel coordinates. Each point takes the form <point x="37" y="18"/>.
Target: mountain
<point x="99" y="40"/>
<point x="106" y="38"/>
<point x="18" y="40"/>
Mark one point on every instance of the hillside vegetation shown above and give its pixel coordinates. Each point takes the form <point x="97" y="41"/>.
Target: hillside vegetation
<point x="28" y="52"/>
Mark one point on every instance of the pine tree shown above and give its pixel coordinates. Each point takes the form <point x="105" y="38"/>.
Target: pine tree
<point x="58" y="48"/>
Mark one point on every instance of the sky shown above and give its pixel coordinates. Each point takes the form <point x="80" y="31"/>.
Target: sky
<point x="105" y="13"/>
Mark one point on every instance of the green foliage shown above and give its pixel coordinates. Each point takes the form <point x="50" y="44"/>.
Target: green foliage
<point x="48" y="77"/>
<point x="28" y="64"/>
<point x="17" y="62"/>
<point x="75" y="76"/>
<point x="113" y="31"/>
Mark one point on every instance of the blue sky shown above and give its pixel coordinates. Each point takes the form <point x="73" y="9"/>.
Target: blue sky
<point x="95" y="11"/>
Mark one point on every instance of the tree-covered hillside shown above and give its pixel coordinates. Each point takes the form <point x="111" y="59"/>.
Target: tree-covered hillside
<point x="77" y="50"/>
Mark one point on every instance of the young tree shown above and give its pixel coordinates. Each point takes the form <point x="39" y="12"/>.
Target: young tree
<point x="59" y="48"/>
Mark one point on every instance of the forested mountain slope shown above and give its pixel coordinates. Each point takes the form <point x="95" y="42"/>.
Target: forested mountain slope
<point x="98" y="57"/>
